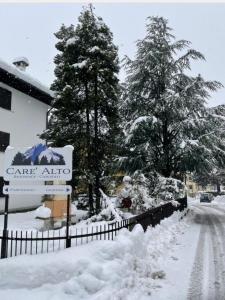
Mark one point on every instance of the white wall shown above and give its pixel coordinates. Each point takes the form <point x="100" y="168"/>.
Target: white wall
<point x="26" y="119"/>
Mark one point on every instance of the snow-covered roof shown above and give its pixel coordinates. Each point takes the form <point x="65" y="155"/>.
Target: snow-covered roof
<point x="21" y="59"/>
<point x="22" y="81"/>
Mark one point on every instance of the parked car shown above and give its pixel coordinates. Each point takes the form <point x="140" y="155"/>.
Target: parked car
<point x="206" y="197"/>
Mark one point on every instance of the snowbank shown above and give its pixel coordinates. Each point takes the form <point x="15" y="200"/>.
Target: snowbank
<point x="127" y="268"/>
<point x="219" y="200"/>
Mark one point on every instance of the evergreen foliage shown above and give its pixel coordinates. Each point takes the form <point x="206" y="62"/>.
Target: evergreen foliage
<point x="44" y="161"/>
<point x="85" y="108"/>
<point x="168" y="127"/>
<point x="18" y="159"/>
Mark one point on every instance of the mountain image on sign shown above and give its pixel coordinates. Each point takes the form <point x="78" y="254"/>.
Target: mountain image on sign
<point x="38" y="155"/>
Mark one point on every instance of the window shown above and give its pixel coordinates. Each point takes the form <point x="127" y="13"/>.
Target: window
<point x="4" y="140"/>
<point x="5" y="98"/>
<point x="1" y="187"/>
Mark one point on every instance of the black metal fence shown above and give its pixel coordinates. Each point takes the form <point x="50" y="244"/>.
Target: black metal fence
<point x="36" y="242"/>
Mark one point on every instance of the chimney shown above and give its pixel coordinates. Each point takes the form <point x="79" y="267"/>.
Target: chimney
<point x="21" y="63"/>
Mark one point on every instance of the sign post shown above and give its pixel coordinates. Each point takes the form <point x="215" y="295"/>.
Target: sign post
<point x="37" y="163"/>
<point x="68" y="239"/>
<point x="5" y="231"/>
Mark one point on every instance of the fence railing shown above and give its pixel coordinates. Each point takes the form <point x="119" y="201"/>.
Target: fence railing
<point x="36" y="242"/>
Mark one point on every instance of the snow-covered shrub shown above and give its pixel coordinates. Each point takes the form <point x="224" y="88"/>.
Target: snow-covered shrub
<point x="125" y="192"/>
<point x="149" y="190"/>
<point x="140" y="194"/>
<point x="168" y="189"/>
<point x="109" y="213"/>
<point x="138" y="190"/>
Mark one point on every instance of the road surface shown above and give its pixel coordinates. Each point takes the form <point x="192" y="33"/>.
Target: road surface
<point x="207" y="278"/>
<point x="196" y="268"/>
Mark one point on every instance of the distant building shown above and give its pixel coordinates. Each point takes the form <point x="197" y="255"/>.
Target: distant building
<point x="193" y="188"/>
<point x="24" y="103"/>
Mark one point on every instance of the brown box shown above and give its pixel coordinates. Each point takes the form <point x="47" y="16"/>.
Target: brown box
<point x="58" y="208"/>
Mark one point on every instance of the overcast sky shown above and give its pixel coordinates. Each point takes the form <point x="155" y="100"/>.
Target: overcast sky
<point x="27" y="30"/>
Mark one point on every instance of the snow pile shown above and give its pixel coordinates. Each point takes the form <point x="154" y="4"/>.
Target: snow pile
<point x="43" y="212"/>
<point x="73" y="209"/>
<point x="127" y="268"/>
<point x="219" y="199"/>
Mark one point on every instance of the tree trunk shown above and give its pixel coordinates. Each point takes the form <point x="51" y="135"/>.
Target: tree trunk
<point x="167" y="169"/>
<point x="90" y="186"/>
<point x="218" y="186"/>
<point x="97" y="158"/>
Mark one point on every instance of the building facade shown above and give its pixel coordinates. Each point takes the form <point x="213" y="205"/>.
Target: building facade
<point x="24" y="103"/>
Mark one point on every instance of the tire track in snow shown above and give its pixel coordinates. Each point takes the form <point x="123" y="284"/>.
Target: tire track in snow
<point x="217" y="233"/>
<point x="211" y="286"/>
<point x="196" y="279"/>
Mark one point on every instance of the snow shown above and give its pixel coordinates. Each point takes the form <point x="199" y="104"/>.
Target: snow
<point x="110" y="208"/>
<point x="128" y="268"/>
<point x="127" y="179"/>
<point x="219" y="200"/>
<point x="69" y="147"/>
<point x="160" y="264"/>
<point x="94" y="49"/>
<point x="193" y="142"/>
<point x="9" y="148"/>
<point x="22" y="221"/>
<point x="182" y="144"/>
<point x="73" y="209"/>
<point x="43" y="212"/>
<point x="139" y="120"/>
<point x="71" y="41"/>
<point x="81" y="64"/>
<point x="24" y="76"/>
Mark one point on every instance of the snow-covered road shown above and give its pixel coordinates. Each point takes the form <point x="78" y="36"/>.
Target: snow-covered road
<point x="197" y="271"/>
<point x="207" y="280"/>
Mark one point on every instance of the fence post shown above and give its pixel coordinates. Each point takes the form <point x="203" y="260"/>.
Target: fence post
<point x="68" y="239"/>
<point x="5" y="233"/>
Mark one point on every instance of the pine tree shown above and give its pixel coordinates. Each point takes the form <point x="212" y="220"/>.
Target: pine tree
<point x="85" y="112"/>
<point x="44" y="161"/>
<point x="215" y="137"/>
<point x="167" y="126"/>
<point x="61" y="161"/>
<point x="18" y="159"/>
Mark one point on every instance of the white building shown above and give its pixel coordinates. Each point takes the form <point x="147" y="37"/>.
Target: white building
<point x="24" y="103"/>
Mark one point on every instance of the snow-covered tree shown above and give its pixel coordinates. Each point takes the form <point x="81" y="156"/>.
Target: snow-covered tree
<point x="216" y="135"/>
<point x="141" y="197"/>
<point x="137" y="192"/>
<point x="168" y="127"/>
<point x="85" y="108"/>
<point x="168" y="189"/>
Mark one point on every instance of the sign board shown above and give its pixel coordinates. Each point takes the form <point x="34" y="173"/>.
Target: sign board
<point x="37" y="190"/>
<point x="38" y="163"/>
